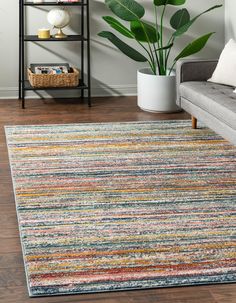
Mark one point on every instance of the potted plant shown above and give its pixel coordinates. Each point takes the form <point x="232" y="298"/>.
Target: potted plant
<point x="156" y="84"/>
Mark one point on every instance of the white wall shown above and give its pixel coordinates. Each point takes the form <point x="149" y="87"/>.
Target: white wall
<point x="112" y="72"/>
<point x="230" y="20"/>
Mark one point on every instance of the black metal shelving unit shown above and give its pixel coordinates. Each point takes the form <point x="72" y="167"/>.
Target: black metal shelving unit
<point x="83" y="38"/>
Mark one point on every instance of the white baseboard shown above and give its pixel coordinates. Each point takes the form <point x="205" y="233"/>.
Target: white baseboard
<point x="99" y="91"/>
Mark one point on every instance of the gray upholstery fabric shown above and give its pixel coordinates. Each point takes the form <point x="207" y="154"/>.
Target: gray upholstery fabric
<point x="214" y="104"/>
<point x="215" y="124"/>
<point x="193" y="70"/>
<point x="216" y="99"/>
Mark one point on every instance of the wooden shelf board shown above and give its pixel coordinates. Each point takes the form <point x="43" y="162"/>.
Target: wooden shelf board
<point x="52" y="39"/>
<point x="51" y="3"/>
<point x="29" y="87"/>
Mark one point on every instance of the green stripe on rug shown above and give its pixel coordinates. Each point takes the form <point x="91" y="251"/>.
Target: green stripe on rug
<point x="113" y="206"/>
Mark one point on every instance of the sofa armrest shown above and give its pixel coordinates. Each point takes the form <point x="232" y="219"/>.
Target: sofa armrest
<point x="193" y="70"/>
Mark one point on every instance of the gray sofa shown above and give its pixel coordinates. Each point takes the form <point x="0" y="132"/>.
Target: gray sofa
<point x="213" y="104"/>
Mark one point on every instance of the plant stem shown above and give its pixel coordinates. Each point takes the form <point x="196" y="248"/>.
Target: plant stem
<point x="157" y="61"/>
<point x="151" y="63"/>
<point x="161" y="52"/>
<point x="167" y="51"/>
<point x="150" y="49"/>
<point x="158" y="39"/>
<point x="152" y="57"/>
<point x="172" y="68"/>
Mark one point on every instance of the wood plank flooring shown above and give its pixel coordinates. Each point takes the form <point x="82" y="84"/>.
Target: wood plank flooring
<point x="12" y="278"/>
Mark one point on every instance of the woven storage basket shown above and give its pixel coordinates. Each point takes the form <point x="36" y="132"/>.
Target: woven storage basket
<point x="62" y="80"/>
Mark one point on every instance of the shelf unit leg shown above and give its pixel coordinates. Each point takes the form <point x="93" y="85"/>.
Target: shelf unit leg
<point x="19" y="91"/>
<point x="22" y="56"/>
<point x="89" y="100"/>
<point x="20" y="51"/>
<point x="88" y="56"/>
<point x="23" y="101"/>
<point x="82" y="94"/>
<point x="82" y="48"/>
<point x="89" y="97"/>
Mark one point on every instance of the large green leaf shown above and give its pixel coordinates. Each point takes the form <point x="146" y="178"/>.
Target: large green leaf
<point x="123" y="47"/>
<point x="180" y="18"/>
<point x="114" y="23"/>
<point x="128" y="10"/>
<point x="180" y="31"/>
<point x="144" y="32"/>
<point x="170" y="2"/>
<point x="194" y="47"/>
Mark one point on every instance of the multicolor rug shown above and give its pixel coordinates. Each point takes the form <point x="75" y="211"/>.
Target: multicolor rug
<point x="114" y="206"/>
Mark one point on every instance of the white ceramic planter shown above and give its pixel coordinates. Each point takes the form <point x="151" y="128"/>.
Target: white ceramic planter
<point x="156" y="93"/>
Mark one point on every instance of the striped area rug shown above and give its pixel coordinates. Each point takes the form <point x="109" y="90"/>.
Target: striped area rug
<point x="114" y="206"/>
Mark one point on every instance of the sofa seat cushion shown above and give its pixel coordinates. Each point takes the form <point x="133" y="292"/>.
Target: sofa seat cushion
<point x="218" y="100"/>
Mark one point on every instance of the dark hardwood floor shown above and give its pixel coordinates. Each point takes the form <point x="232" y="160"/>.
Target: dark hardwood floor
<point x="12" y="278"/>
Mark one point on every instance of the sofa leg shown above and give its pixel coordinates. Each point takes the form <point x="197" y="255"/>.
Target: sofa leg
<point x="194" y="122"/>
